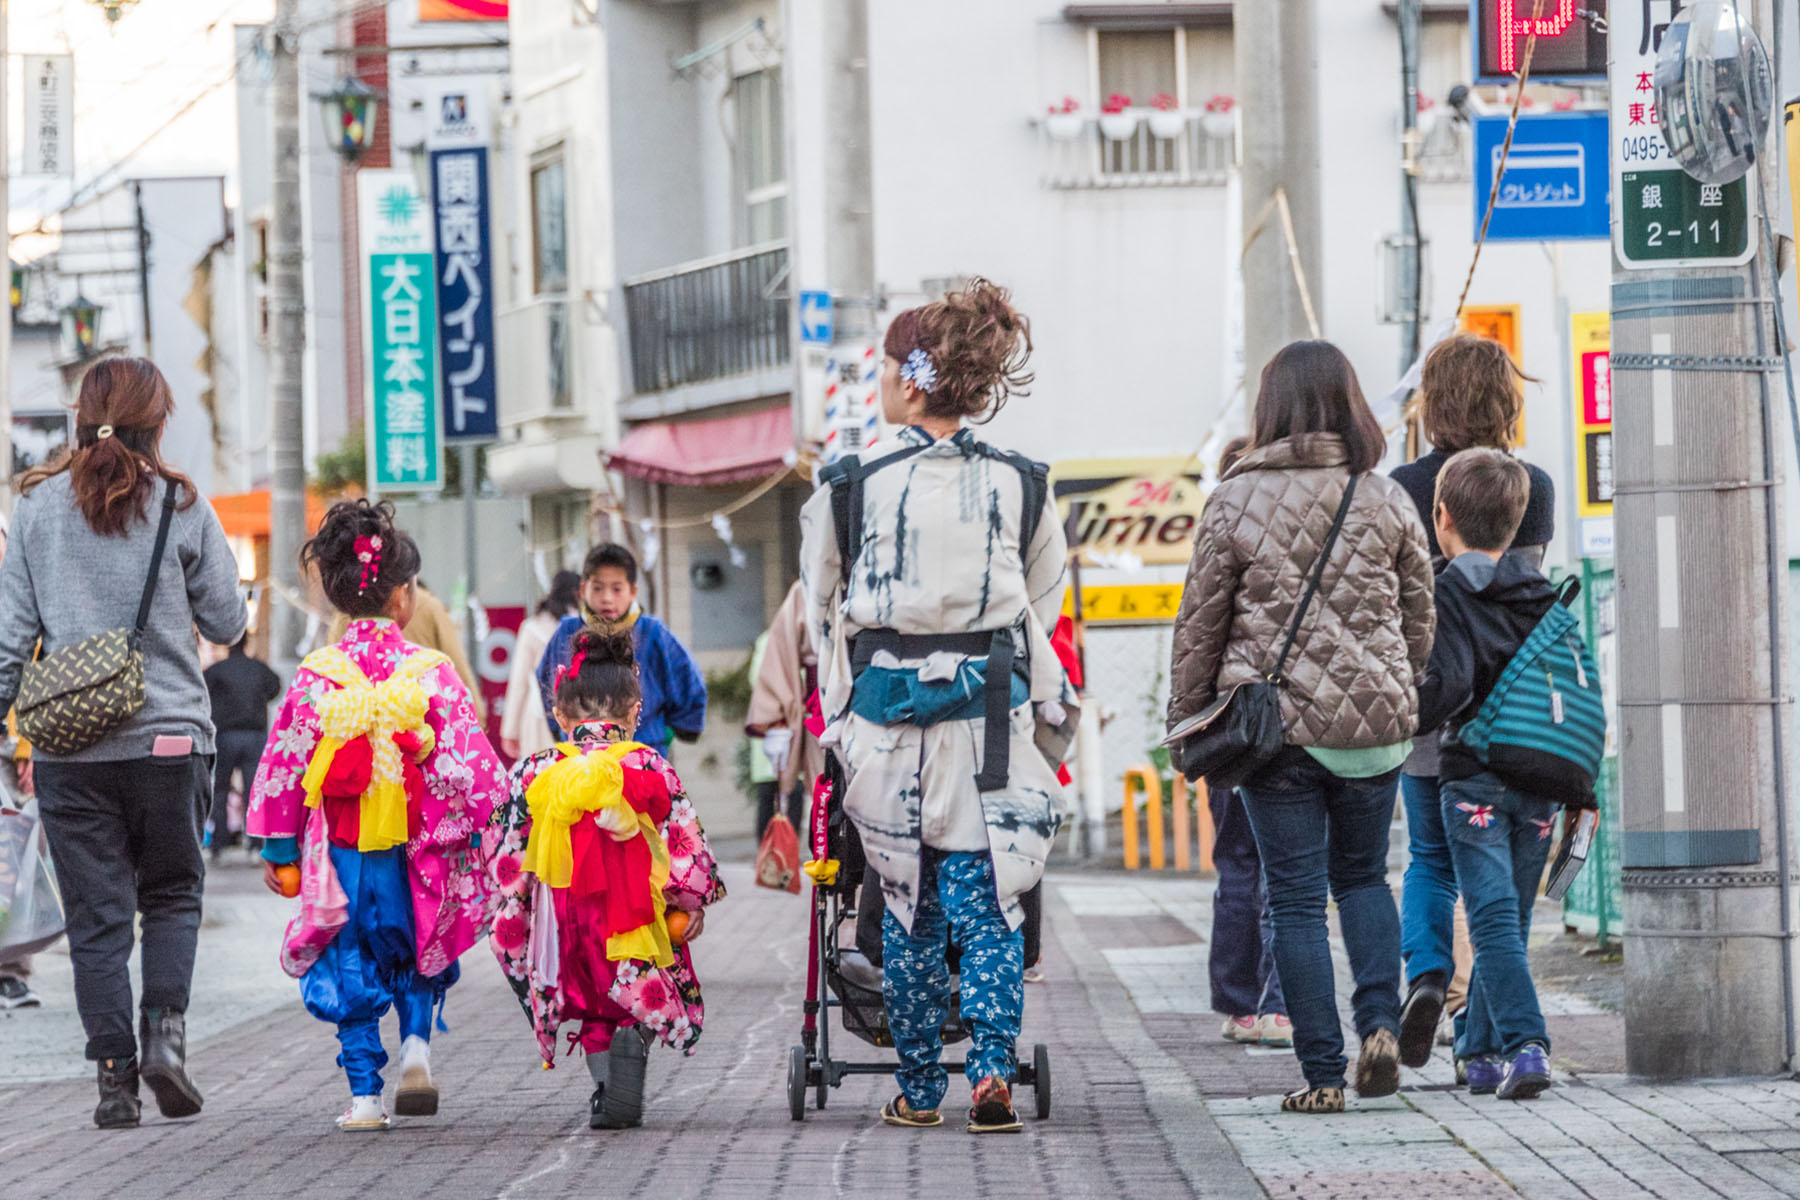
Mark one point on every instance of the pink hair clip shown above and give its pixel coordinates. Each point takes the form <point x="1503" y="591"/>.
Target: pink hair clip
<point x="368" y="553"/>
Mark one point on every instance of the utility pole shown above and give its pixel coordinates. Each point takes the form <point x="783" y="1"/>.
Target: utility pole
<point x="849" y="174"/>
<point x="5" y="326"/>
<point x="1705" y="693"/>
<point x="1277" y="70"/>
<point x="1413" y="256"/>
<point x="287" y="303"/>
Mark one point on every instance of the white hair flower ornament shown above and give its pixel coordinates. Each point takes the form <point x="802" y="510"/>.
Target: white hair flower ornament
<point x="919" y="371"/>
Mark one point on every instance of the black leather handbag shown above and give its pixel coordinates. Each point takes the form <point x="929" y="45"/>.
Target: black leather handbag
<point x="1241" y="730"/>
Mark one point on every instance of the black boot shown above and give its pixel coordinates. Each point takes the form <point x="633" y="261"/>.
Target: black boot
<point x="119" y="1107"/>
<point x="621" y="1099"/>
<point x="162" y="1044"/>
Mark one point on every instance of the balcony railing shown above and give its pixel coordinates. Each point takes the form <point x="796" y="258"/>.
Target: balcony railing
<point x="709" y="319"/>
<point x="535" y="356"/>
<point x="1138" y="150"/>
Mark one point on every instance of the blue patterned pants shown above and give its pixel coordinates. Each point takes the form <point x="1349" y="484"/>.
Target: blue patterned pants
<point x="916" y="979"/>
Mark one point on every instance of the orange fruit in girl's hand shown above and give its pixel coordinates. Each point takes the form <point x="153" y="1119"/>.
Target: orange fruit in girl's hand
<point x="677" y="922"/>
<point x="289" y="876"/>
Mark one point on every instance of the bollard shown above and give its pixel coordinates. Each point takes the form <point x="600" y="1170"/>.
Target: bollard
<point x="1203" y="802"/>
<point x="1178" y="808"/>
<point x="1143" y="780"/>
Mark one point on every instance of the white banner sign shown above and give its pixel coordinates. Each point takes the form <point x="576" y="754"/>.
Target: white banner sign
<point x="49" y="114"/>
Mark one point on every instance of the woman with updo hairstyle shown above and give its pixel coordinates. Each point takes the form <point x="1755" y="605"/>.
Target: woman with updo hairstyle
<point x="588" y="829"/>
<point x="103" y="529"/>
<point x="375" y="780"/>
<point x="934" y="566"/>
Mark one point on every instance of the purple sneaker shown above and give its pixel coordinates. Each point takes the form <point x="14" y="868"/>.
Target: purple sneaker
<point x="1527" y="1075"/>
<point x="1484" y="1073"/>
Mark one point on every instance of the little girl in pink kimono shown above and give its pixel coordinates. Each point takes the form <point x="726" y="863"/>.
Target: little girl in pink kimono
<point x="376" y="779"/>
<point x="601" y="875"/>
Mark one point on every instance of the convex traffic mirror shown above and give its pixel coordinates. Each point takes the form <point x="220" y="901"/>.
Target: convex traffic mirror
<point x="1714" y="91"/>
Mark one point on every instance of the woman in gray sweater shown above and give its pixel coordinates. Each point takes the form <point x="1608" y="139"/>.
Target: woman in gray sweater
<point x="124" y="815"/>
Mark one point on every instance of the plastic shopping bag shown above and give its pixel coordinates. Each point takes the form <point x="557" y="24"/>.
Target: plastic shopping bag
<point x="778" y="858"/>
<point x="31" y="911"/>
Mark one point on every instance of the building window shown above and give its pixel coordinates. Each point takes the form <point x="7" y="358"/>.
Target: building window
<point x="1443" y="63"/>
<point x="1177" y="69"/>
<point x="1192" y="65"/>
<point x="549" y="228"/>
<point x="762" y="156"/>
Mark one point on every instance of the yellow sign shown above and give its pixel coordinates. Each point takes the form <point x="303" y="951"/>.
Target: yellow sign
<point x="1501" y="323"/>
<point x="1146" y="507"/>
<point x="1126" y="603"/>
<point x="1592" y="341"/>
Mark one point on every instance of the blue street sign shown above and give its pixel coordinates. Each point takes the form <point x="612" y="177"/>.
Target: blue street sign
<point x="1557" y="181"/>
<point x="465" y="294"/>
<point x="815" y="317"/>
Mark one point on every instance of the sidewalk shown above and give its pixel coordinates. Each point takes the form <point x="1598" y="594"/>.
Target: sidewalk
<point x="1596" y="1134"/>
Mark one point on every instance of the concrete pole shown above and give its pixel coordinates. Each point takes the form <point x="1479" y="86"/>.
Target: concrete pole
<point x="849" y="172"/>
<point x="1413" y="259"/>
<point x="287" y="305"/>
<point x="1277" y="72"/>
<point x="6" y="325"/>
<point x="1705" y="700"/>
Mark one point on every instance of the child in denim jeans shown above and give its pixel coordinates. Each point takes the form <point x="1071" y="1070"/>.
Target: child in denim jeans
<point x="1487" y="604"/>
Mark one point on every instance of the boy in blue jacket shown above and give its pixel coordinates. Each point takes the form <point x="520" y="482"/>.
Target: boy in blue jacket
<point x="674" y="690"/>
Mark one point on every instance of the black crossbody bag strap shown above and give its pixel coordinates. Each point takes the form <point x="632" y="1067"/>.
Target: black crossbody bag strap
<point x="1312" y="584"/>
<point x="156" y="557"/>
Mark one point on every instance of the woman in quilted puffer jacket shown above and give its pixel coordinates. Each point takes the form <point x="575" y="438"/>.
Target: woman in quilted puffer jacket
<point x="1321" y="810"/>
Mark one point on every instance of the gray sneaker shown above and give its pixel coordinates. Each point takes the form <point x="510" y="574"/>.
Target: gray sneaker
<point x="15" y="994"/>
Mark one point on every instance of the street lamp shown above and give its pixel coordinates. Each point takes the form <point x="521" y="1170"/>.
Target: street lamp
<point x="349" y="114"/>
<point x="114" y="9"/>
<point x="81" y="324"/>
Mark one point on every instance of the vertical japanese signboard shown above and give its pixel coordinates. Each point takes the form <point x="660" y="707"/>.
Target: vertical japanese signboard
<point x="1591" y="339"/>
<point x="49" y="114"/>
<point x="405" y="434"/>
<point x="1662" y="216"/>
<point x="465" y="294"/>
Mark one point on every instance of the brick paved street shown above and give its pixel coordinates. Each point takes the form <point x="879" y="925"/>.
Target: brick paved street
<point x="1149" y="1101"/>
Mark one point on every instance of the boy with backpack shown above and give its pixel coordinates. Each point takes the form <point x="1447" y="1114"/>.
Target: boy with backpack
<point x="1519" y="697"/>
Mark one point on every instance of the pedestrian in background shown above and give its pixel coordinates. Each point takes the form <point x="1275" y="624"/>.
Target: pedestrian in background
<point x="1321" y="809"/>
<point x="674" y="690"/>
<point x="1488" y="603"/>
<point x="522" y="734"/>
<point x="1240" y="960"/>
<point x="931" y="606"/>
<point x="1470" y="399"/>
<point x="241" y="689"/>
<point x="15" y="969"/>
<point x="378" y="739"/>
<point x="124" y="815"/>
<point x="784" y="674"/>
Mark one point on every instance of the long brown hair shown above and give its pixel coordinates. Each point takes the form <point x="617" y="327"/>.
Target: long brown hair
<point x="1469" y="394"/>
<point x="128" y="401"/>
<point x="1310" y="388"/>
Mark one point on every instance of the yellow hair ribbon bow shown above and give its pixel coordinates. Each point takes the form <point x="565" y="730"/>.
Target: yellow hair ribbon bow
<point x="359" y="708"/>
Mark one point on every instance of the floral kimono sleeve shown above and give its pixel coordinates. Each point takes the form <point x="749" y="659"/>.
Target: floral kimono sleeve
<point x="510" y="893"/>
<point x="694" y="880"/>
<point x="277" y="804"/>
<point x="463" y="773"/>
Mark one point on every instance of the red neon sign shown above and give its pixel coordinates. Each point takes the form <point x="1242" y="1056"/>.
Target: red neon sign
<point x="1515" y="28"/>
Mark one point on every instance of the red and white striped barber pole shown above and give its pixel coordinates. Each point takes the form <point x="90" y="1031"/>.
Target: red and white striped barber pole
<point x="852" y="395"/>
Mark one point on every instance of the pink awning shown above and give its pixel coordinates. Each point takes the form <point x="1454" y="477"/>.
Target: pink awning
<point x="713" y="450"/>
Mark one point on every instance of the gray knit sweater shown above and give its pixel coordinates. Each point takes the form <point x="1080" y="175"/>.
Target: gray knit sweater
<point x="62" y="582"/>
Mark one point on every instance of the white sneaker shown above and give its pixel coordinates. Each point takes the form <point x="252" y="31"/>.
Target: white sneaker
<point x="365" y="1115"/>
<point x="1274" y="1029"/>
<point x="417" y="1095"/>
<point x="1242" y="1029"/>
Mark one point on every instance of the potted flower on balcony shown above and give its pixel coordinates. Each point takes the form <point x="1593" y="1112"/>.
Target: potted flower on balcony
<point x="1219" y="120"/>
<point x="1166" y="120"/>
<point x="1064" y="120"/>
<point x="1117" y="120"/>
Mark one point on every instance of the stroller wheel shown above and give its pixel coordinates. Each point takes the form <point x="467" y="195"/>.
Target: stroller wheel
<point x="1040" y="1067"/>
<point x="796" y="1083"/>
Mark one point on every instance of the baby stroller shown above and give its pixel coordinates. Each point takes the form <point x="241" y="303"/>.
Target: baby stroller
<point x="846" y="981"/>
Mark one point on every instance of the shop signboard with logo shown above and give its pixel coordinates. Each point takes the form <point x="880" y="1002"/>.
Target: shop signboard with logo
<point x="405" y="436"/>
<point x="1591" y="339"/>
<point x="1144" y="508"/>
<point x="461" y="213"/>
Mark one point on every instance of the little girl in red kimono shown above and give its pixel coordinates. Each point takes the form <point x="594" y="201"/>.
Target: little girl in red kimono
<point x="375" y="780"/>
<point x="600" y="875"/>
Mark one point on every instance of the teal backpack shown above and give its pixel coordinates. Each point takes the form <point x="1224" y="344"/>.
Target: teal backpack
<point x="1542" y="730"/>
